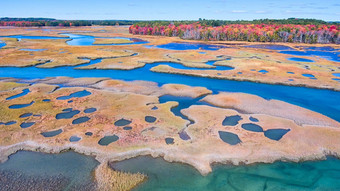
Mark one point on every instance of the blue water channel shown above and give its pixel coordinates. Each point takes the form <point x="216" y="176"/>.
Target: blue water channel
<point x="322" y="101"/>
<point x="74" y="40"/>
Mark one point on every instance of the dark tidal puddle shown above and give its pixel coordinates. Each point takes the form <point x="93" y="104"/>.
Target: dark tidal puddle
<point x="275" y="134"/>
<point x="8" y="123"/>
<point x="150" y="119"/>
<point x="296" y="59"/>
<point x="32" y="50"/>
<point x="90" y="110"/>
<point x="310" y="76"/>
<point x="263" y="71"/>
<point x="253" y="119"/>
<point x="67" y="114"/>
<point x="51" y="133"/>
<point x="122" y="122"/>
<point x="332" y="56"/>
<point x="24" y="92"/>
<point x="108" y="140"/>
<point x="80" y="120"/>
<point x="2" y="44"/>
<point x="74" y="139"/>
<point x="26" y="124"/>
<point x="25" y="115"/>
<point x="231" y="120"/>
<point x="230" y="138"/>
<point x="169" y="141"/>
<point x="19" y="106"/>
<point x="88" y="133"/>
<point x="75" y="95"/>
<point x="252" y="127"/>
<point x="127" y="128"/>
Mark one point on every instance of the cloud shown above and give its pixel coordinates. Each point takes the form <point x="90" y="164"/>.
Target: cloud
<point x="261" y="12"/>
<point x="131" y="4"/>
<point x="239" y="11"/>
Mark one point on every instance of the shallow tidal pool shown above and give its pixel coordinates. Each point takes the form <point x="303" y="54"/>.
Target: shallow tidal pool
<point x="72" y="171"/>
<point x="310" y="175"/>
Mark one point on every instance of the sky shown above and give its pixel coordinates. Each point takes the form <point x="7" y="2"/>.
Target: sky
<point x="328" y="10"/>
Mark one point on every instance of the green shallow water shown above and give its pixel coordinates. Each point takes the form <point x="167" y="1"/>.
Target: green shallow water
<point x="27" y="170"/>
<point x="310" y="175"/>
<point x="71" y="171"/>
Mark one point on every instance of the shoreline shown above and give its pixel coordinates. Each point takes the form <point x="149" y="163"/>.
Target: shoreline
<point x="103" y="158"/>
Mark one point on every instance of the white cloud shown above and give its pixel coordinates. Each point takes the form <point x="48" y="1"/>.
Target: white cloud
<point x="238" y="11"/>
<point x="261" y="12"/>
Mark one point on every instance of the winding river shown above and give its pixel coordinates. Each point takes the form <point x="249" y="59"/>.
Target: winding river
<point x="323" y="175"/>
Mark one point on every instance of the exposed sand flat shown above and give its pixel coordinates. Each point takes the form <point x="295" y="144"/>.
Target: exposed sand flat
<point x="184" y="90"/>
<point x="247" y="103"/>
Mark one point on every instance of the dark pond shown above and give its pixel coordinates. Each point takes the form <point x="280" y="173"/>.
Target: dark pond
<point x="88" y="133"/>
<point x="122" y="122"/>
<point x="229" y="137"/>
<point x="253" y="119"/>
<point x="332" y="56"/>
<point x="296" y="59"/>
<point x="26" y="124"/>
<point x="150" y="119"/>
<point x="51" y="133"/>
<point x="75" y="95"/>
<point x="8" y="123"/>
<point x="90" y="110"/>
<point x="80" y="120"/>
<point x="19" y="106"/>
<point x="33" y="50"/>
<point x="127" y="128"/>
<point x="24" y="92"/>
<point x="184" y="135"/>
<point x="74" y="139"/>
<point x="25" y="115"/>
<point x="67" y="114"/>
<point x="276" y="134"/>
<point x="231" y="120"/>
<point x="108" y="140"/>
<point x="263" y="71"/>
<point x="169" y="141"/>
<point x="252" y="127"/>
